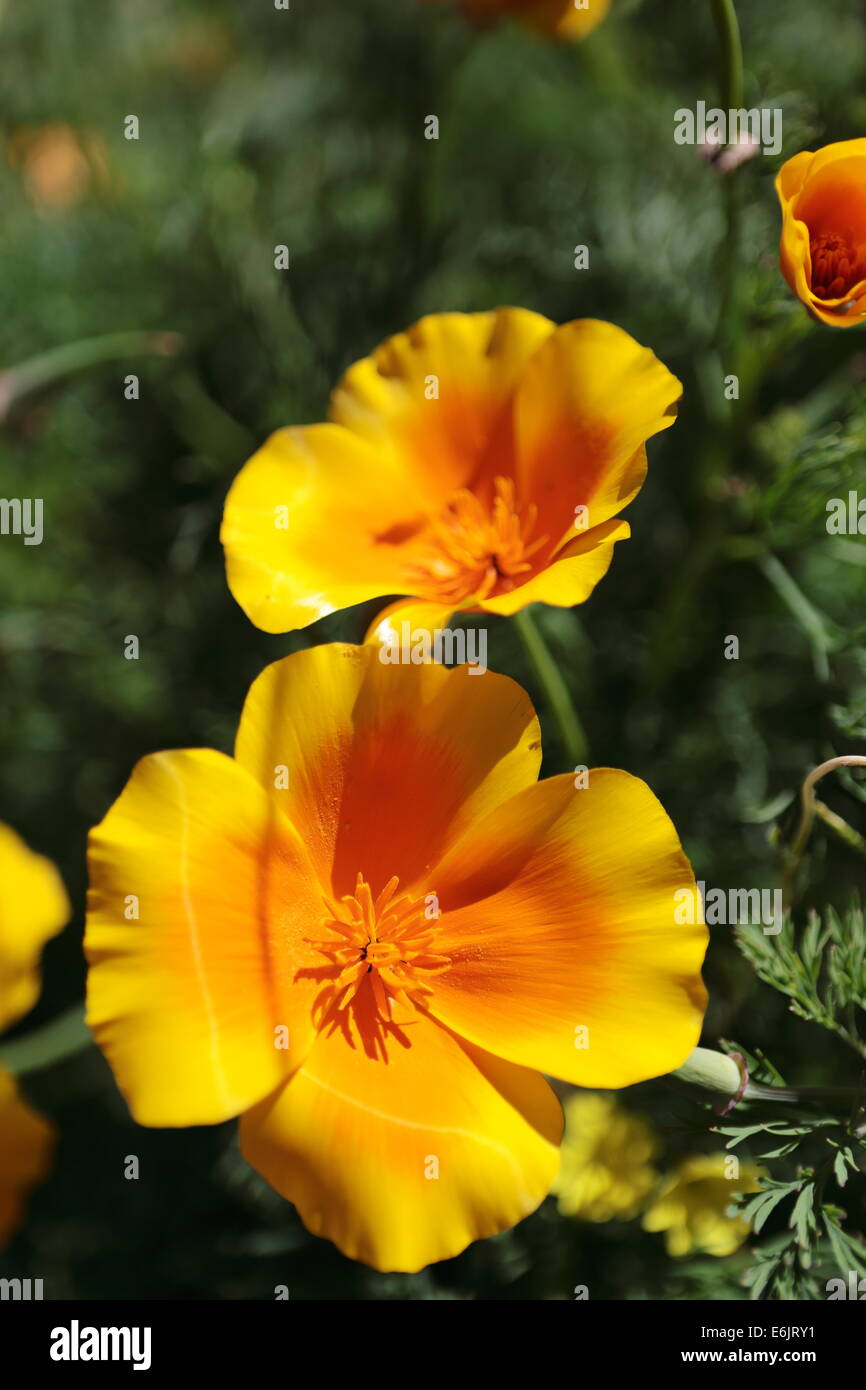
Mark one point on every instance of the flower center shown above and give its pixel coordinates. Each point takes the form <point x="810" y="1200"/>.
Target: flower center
<point x="475" y="549"/>
<point x="837" y="265"/>
<point x="382" y="944"/>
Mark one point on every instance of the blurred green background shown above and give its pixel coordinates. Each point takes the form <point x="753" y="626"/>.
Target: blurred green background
<point x="260" y="127"/>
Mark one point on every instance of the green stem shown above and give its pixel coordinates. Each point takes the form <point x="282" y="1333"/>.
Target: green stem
<point x="204" y="424"/>
<point x="731" y="46"/>
<point x="732" y="85"/>
<point x="725" y="423"/>
<point x="845" y="832"/>
<point x="729" y="304"/>
<point x="59" y="362"/>
<point x="63" y="1037"/>
<point x="807" y="818"/>
<point x="810" y="620"/>
<point x="549" y="677"/>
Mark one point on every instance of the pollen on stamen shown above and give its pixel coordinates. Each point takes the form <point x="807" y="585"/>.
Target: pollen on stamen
<point x="383" y="944"/>
<point x="474" y="550"/>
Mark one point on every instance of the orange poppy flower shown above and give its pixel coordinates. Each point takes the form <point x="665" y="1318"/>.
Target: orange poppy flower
<point x="33" y="907"/>
<point x="565" y="19"/>
<point x="370" y="931"/>
<point x="25" y="1154"/>
<point x="823" y="247"/>
<point x="475" y="462"/>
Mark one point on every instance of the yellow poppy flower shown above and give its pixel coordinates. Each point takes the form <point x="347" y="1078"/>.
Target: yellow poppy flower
<point x="606" y="1172"/>
<point x="823" y="246"/>
<point x="370" y="930"/>
<point x="25" y="1154"/>
<point x="564" y="19"/>
<point x="33" y="908"/>
<point x="475" y="462"/>
<point x="693" y="1205"/>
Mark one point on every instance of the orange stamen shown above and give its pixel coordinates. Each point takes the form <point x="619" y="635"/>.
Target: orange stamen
<point x="475" y="550"/>
<point x="837" y="265"/>
<point x="383" y="943"/>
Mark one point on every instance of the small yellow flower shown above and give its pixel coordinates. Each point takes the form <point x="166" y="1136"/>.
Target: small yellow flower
<point x="606" y="1172"/>
<point x="693" y="1205"/>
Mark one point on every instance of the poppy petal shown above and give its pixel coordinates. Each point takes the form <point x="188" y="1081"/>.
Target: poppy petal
<point x="33" y="908"/>
<point x="406" y="1158"/>
<point x="25" y="1154"/>
<point x="316" y="520"/>
<point x="452" y="439"/>
<point x="388" y="764"/>
<point x="572" y="575"/>
<point x="559" y="917"/>
<point x="201" y="894"/>
<point x="587" y="403"/>
<point x="421" y="616"/>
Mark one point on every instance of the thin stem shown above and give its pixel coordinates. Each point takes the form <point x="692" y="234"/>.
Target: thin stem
<point x="807" y="816"/>
<point x="732" y="84"/>
<point x="549" y="677"/>
<point x="59" y="362"/>
<point x="810" y="620"/>
<point x="845" y="832"/>
<point x="729" y="306"/>
<point x="731" y="46"/>
<point x="63" y="1037"/>
<point x="843" y="1095"/>
<point x="726" y="423"/>
<point x="204" y="424"/>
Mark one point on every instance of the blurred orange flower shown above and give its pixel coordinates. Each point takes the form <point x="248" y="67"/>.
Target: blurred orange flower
<point x="33" y="907"/>
<point x="823" y="247"/>
<point x="566" y="19"/>
<point x="370" y="931"/>
<point x="58" y="164"/>
<point x="26" y="1147"/>
<point x="475" y="462"/>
